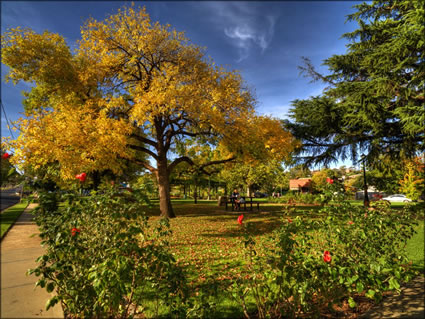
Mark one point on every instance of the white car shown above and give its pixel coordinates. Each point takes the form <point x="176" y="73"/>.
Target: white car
<point x="397" y="198"/>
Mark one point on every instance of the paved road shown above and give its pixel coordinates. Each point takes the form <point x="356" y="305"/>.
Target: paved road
<point x="9" y="197"/>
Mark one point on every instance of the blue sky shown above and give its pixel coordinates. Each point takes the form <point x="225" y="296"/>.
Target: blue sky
<point x="263" y="40"/>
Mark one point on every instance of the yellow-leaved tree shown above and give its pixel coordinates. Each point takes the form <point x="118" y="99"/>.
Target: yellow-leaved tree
<point x="132" y="91"/>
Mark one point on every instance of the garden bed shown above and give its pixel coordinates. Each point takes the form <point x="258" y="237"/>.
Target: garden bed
<point x="214" y="249"/>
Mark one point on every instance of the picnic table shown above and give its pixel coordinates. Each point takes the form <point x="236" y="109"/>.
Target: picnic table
<point x="247" y="200"/>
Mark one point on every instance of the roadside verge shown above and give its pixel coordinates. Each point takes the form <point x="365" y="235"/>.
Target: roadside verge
<point x="10" y="215"/>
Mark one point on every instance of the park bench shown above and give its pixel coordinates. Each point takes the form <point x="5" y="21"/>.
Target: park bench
<point x="244" y="204"/>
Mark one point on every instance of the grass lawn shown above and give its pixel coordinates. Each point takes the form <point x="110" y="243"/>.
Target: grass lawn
<point x="9" y="216"/>
<point x="207" y="241"/>
<point x="415" y="248"/>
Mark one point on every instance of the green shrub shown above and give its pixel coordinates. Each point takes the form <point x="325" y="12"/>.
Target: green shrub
<point x="298" y="198"/>
<point x="309" y="264"/>
<point x="103" y="259"/>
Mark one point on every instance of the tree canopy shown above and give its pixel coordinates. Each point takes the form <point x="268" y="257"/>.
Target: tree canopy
<point x="374" y="102"/>
<point x="133" y="91"/>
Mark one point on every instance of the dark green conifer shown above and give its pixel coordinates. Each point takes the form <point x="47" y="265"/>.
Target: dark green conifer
<point x="374" y="102"/>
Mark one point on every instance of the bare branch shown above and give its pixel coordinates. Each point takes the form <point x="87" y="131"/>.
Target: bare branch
<point x="145" y="164"/>
<point x="309" y="71"/>
<point x="193" y="134"/>
<point x="218" y="162"/>
<point x="144" y="150"/>
<point x="143" y="139"/>
<point x="178" y="161"/>
<point x="199" y="168"/>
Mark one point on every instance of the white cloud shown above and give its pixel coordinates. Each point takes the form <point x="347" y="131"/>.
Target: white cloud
<point x="244" y="25"/>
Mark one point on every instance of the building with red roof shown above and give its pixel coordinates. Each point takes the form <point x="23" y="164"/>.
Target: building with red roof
<point x="302" y="185"/>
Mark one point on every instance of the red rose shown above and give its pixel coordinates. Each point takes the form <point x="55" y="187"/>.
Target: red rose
<point x="350" y="222"/>
<point x="74" y="231"/>
<point x="81" y="177"/>
<point x="240" y="219"/>
<point x="329" y="180"/>
<point x="327" y="257"/>
<point x="5" y="156"/>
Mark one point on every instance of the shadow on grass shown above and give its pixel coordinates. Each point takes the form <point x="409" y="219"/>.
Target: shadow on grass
<point x="258" y="227"/>
<point x="201" y="209"/>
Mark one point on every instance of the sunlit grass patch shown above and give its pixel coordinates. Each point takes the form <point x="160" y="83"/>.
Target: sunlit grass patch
<point x="208" y="242"/>
<point x="415" y="248"/>
<point x="10" y="215"/>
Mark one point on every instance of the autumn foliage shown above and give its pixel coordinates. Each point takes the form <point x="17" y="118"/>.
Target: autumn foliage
<point x="133" y="90"/>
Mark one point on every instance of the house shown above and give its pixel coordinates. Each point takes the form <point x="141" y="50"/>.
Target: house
<point x="302" y="185"/>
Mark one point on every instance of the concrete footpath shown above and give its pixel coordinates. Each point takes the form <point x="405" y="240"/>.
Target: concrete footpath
<point x="19" y="298"/>
<point x="409" y="304"/>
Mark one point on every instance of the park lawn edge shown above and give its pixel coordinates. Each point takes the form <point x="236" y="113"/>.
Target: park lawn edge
<point x="415" y="248"/>
<point x="9" y="216"/>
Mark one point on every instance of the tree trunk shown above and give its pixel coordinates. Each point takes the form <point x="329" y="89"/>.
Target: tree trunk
<point x="250" y="191"/>
<point x="163" y="179"/>
<point x="366" y="195"/>
<point x="195" y="194"/>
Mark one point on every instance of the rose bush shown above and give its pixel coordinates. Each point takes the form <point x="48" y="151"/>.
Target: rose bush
<point x="297" y="198"/>
<point x="103" y="259"/>
<point x="311" y="264"/>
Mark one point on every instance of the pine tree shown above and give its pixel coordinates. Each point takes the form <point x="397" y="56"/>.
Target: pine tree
<point x="374" y="102"/>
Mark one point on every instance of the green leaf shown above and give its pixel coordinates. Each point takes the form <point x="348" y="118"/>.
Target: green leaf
<point x="351" y="302"/>
<point x="50" y="287"/>
<point x="51" y="302"/>
<point x="370" y="294"/>
<point x="394" y="284"/>
<point x="41" y="283"/>
<point x="360" y="287"/>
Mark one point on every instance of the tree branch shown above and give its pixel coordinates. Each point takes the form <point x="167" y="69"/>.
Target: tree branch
<point x="309" y="71"/>
<point x="200" y="168"/>
<point x="218" y="162"/>
<point x="143" y="139"/>
<point x="181" y="132"/>
<point x="179" y="160"/>
<point x="144" y="164"/>
<point x="144" y="150"/>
